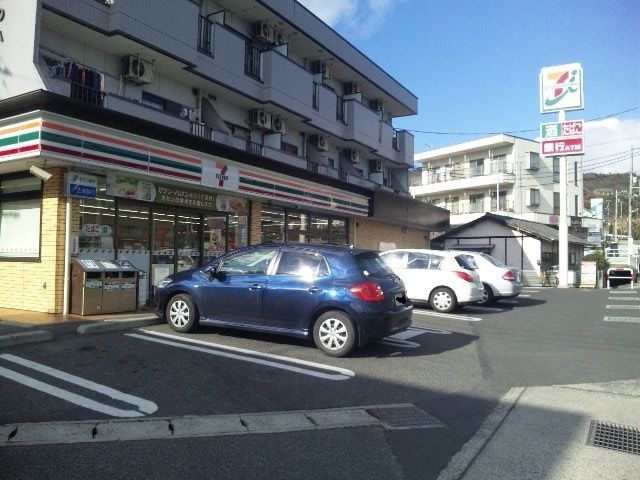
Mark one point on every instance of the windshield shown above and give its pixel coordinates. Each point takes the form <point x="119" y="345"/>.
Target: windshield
<point x="371" y="265"/>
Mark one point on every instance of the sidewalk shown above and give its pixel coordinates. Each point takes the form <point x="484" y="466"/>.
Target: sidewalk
<point x="20" y="326"/>
<point x="545" y="435"/>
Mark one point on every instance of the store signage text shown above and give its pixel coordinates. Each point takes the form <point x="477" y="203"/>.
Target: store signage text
<point x="95" y="230"/>
<point x="562" y="138"/>
<point x="82" y="185"/>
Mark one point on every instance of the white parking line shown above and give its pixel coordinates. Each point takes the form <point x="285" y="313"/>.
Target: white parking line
<point x="625" y="299"/>
<point x="215" y="349"/>
<point x="624" y="307"/>
<point x="452" y="316"/>
<point x="623" y="292"/>
<point x="144" y="406"/>
<point x="622" y="319"/>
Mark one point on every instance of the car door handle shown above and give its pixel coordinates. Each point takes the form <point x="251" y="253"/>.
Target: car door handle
<point x="255" y="286"/>
<point x="313" y="289"/>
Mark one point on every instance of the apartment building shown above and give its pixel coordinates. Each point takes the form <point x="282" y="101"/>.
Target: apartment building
<point x="502" y="174"/>
<point x="167" y="132"/>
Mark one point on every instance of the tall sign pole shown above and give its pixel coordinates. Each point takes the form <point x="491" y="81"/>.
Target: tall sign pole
<point x="561" y="90"/>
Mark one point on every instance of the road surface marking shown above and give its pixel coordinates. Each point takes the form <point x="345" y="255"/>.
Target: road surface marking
<point x="625" y="299"/>
<point x="144" y="406"/>
<point x="524" y="296"/>
<point x="622" y="319"/>
<point x="452" y="316"/>
<point x="624" y="307"/>
<point x="624" y="292"/>
<point x="215" y="349"/>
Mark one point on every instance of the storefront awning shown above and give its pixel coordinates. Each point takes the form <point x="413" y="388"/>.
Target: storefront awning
<point x="407" y="212"/>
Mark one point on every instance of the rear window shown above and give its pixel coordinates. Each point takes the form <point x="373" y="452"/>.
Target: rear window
<point x="493" y="261"/>
<point x="371" y="265"/>
<point x="464" y="263"/>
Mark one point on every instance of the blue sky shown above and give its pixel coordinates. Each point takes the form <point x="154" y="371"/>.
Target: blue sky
<point x="474" y="65"/>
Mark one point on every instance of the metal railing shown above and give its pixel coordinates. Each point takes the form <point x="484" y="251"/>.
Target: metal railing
<point x="342" y="175"/>
<point x="501" y="167"/>
<point x="205" y="35"/>
<point x="312" y="167"/>
<point x="340" y="109"/>
<point x="85" y="94"/>
<point x="477" y="207"/>
<point x="505" y="205"/>
<point x="201" y="130"/>
<point x="253" y="147"/>
<point x="252" y="60"/>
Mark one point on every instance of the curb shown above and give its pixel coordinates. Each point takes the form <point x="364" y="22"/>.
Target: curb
<point x="34" y="336"/>
<point x="461" y="461"/>
<point x="120" y="324"/>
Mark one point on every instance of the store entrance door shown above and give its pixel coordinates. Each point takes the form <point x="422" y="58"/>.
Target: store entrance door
<point x="163" y="231"/>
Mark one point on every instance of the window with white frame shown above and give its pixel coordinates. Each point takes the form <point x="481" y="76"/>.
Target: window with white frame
<point x="533" y="197"/>
<point x="20" y="207"/>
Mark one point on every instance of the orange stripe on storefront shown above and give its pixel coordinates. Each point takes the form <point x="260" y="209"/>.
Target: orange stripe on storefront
<point x="22" y="126"/>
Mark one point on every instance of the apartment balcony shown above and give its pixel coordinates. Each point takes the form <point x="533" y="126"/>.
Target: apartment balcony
<point x="288" y="84"/>
<point x="442" y="179"/>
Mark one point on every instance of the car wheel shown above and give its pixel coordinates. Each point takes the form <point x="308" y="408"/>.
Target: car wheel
<point x="334" y="334"/>
<point x="181" y="313"/>
<point x="487" y="295"/>
<point x="443" y="300"/>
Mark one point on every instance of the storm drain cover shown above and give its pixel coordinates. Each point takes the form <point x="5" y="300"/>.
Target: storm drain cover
<point x="405" y="417"/>
<point x="614" y="437"/>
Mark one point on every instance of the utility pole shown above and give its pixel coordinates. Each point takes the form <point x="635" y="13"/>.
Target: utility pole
<point x="630" y="249"/>
<point x="615" y="220"/>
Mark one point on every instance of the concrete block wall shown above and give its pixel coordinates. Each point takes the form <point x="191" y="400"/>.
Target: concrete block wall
<point x="368" y="233"/>
<point x="37" y="285"/>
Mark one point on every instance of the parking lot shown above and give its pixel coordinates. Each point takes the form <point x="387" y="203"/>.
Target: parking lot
<point x="225" y="404"/>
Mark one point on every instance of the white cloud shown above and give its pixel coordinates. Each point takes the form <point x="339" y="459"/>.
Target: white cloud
<point x="608" y="145"/>
<point x="362" y="17"/>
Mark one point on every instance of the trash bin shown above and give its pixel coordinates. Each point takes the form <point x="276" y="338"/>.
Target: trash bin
<point x="128" y="301"/>
<point x="86" y="287"/>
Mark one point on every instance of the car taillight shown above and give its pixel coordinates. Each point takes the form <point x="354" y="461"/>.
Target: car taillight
<point x="465" y="276"/>
<point x="509" y="276"/>
<point x="368" y="291"/>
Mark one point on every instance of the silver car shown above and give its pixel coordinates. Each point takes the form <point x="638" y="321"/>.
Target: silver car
<point x="498" y="280"/>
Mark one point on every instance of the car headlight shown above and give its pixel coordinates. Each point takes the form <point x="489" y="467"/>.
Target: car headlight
<point x="163" y="283"/>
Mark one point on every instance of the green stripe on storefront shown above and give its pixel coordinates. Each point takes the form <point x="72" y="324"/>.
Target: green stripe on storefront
<point x="99" y="147"/>
<point x="179" y="166"/>
<point x="24" y="137"/>
<point x="54" y="137"/>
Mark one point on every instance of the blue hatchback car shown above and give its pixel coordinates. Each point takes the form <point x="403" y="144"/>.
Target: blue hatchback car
<point x="341" y="297"/>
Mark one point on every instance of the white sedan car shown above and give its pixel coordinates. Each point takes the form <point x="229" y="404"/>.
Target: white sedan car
<point x="444" y="279"/>
<point x="498" y="280"/>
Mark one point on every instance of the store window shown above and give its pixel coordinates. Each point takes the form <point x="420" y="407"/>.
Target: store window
<point x="97" y="225"/>
<point x="297" y="227"/>
<point x="272" y="224"/>
<point x="20" y="207"/>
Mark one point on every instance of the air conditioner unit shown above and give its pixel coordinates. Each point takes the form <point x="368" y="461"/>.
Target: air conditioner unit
<point x="260" y="118"/>
<point x="263" y="31"/>
<point x="321" y="142"/>
<point x="279" y="38"/>
<point x="351" y="87"/>
<point x="352" y="155"/>
<point x="376" y="104"/>
<point x="375" y="165"/>
<point x="279" y="125"/>
<point x="137" y="70"/>
<point x="318" y="67"/>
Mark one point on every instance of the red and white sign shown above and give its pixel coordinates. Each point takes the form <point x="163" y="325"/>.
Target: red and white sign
<point x="562" y="146"/>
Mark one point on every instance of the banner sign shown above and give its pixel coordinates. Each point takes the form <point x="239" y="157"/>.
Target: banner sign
<point x="562" y="138"/>
<point x="82" y="185"/>
<point x="588" y="274"/>
<point x="561" y="88"/>
<point x="133" y="188"/>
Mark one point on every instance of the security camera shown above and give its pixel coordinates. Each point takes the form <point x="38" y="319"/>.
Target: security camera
<point x="40" y="173"/>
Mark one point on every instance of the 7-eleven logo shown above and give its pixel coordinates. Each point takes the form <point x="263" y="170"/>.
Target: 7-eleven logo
<point x="561" y="88"/>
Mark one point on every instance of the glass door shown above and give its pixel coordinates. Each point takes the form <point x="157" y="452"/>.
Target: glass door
<point x="133" y="242"/>
<point x="163" y="252"/>
<point x="188" y="240"/>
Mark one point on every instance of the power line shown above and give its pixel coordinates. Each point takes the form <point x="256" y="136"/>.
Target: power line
<point x="515" y="131"/>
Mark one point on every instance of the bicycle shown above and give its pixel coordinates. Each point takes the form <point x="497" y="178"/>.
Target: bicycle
<point x="549" y="278"/>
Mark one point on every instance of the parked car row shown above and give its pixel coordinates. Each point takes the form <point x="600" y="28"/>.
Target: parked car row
<point x="340" y="297"/>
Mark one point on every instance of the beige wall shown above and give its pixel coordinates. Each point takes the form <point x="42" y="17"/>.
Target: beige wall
<point x="368" y="233"/>
<point x="37" y="285"/>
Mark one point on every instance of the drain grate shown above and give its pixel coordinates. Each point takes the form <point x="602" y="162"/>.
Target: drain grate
<point x="614" y="437"/>
<point x="405" y="417"/>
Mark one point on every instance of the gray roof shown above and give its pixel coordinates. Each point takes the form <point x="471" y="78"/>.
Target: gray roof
<point x="534" y="229"/>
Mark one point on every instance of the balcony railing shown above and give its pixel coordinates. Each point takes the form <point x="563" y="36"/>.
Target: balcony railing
<point x="477" y="207"/>
<point x="201" y="130"/>
<point x="205" y="35"/>
<point x="505" y="205"/>
<point x="476" y="170"/>
<point x="252" y="61"/>
<point x="312" y="167"/>
<point x="340" y="105"/>
<point x="85" y="94"/>
<point x="253" y="147"/>
<point x="501" y="167"/>
<point x="342" y="175"/>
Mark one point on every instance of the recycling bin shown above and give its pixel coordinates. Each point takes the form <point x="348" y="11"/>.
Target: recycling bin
<point x="86" y="287"/>
<point x="111" y="291"/>
<point x="128" y="300"/>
